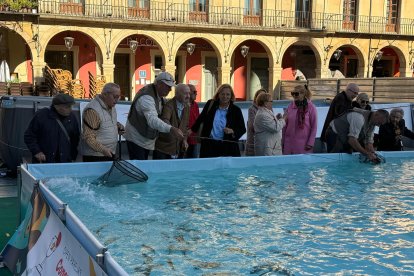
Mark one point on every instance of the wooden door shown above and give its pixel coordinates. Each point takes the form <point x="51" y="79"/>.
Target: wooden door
<point x="122" y="75"/>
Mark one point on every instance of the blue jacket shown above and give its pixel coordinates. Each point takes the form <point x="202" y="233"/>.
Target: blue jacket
<point x="44" y="134"/>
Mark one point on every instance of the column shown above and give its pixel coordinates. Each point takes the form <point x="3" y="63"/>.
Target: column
<point x="38" y="71"/>
<point x="224" y="74"/>
<point x="108" y="71"/>
<point x="275" y="74"/>
<point x="170" y="68"/>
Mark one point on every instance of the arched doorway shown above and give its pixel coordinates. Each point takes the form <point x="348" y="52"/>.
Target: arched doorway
<point x="345" y="63"/>
<point x="298" y="63"/>
<point x="386" y="63"/>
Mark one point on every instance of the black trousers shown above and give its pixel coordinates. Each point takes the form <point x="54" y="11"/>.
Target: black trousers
<point x="192" y="151"/>
<point x="136" y="152"/>
<point x="216" y="148"/>
<point x="156" y="155"/>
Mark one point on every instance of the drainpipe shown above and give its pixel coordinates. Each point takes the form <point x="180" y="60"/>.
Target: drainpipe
<point x="370" y="37"/>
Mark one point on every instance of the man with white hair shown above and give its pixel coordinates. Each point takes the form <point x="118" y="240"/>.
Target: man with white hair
<point x="100" y="125"/>
<point x="144" y="125"/>
<point x="176" y="112"/>
<point x="339" y="105"/>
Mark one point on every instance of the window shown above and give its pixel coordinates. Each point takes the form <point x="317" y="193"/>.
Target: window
<point x="349" y="14"/>
<point x="303" y="13"/>
<point x="71" y="7"/>
<point x="199" y="10"/>
<point x="138" y="8"/>
<point x="252" y="12"/>
<point x="392" y="15"/>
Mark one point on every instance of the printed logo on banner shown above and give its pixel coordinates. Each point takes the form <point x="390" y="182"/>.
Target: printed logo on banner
<point x="54" y="244"/>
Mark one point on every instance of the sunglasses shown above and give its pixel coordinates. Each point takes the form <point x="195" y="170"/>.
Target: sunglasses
<point x="365" y="102"/>
<point x="295" y="94"/>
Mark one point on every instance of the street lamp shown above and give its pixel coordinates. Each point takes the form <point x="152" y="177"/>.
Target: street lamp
<point x="190" y="48"/>
<point x="69" y="42"/>
<point x="244" y="50"/>
<point x="337" y="54"/>
<point x="378" y="55"/>
<point x="133" y="45"/>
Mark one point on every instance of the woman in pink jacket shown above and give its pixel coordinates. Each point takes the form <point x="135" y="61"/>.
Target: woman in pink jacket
<point x="301" y="124"/>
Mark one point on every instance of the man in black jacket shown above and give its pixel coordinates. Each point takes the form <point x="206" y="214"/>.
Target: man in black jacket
<point x="53" y="134"/>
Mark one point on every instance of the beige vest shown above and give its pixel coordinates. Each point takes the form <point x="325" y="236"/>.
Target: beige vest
<point x="107" y="134"/>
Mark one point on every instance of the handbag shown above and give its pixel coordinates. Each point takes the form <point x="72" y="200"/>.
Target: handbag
<point x="198" y="138"/>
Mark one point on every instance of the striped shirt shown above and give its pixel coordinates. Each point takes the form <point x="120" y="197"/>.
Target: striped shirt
<point x="91" y="123"/>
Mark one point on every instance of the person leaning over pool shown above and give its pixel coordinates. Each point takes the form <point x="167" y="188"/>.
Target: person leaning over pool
<point x="222" y="125"/>
<point x="267" y="128"/>
<point x="354" y="131"/>
<point x="390" y="134"/>
<point x="250" y="122"/>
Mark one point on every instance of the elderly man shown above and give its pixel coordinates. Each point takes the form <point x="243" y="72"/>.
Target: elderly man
<point x="53" y="134"/>
<point x="144" y="125"/>
<point x="176" y="113"/>
<point x="339" y="105"/>
<point x="354" y="130"/>
<point x="100" y="125"/>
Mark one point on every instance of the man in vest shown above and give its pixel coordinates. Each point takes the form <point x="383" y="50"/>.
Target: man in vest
<point x="339" y="105"/>
<point x="144" y="125"/>
<point x="354" y="130"/>
<point x="100" y="125"/>
<point x="176" y="112"/>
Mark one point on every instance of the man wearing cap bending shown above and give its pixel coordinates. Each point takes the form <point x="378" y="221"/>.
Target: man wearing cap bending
<point x="144" y="125"/>
<point x="53" y="134"/>
<point x="100" y="125"/>
<point x="339" y="105"/>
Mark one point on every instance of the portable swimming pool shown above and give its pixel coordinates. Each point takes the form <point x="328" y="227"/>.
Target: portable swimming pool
<point x="308" y="214"/>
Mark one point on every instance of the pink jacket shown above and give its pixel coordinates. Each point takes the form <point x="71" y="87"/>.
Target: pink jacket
<point x="295" y="139"/>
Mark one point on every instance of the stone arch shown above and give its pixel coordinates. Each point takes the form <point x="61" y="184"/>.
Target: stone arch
<point x="27" y="38"/>
<point x="211" y="39"/>
<point x="356" y="47"/>
<point x="116" y="40"/>
<point x="397" y="49"/>
<point x="94" y="36"/>
<point x="317" y="49"/>
<point x="260" y="40"/>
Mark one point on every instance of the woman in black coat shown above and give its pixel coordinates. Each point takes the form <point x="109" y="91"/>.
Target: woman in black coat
<point x="221" y="124"/>
<point x="390" y="134"/>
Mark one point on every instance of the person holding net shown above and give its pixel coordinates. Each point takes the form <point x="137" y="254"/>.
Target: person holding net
<point x="100" y="125"/>
<point x="144" y="125"/>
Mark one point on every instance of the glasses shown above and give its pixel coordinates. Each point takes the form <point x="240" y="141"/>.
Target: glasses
<point x="295" y="94"/>
<point x="365" y="102"/>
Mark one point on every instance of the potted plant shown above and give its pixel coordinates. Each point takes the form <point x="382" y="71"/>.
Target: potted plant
<point x="4" y="5"/>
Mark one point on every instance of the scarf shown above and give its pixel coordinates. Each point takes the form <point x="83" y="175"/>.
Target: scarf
<point x="302" y="109"/>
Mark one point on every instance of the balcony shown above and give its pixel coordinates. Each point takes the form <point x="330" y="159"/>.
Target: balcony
<point x="230" y="17"/>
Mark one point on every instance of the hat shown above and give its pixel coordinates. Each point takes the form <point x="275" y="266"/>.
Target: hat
<point x="352" y="87"/>
<point x="62" y="98"/>
<point x="166" y="78"/>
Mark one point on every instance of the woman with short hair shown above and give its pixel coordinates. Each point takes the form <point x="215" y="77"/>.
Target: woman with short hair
<point x="390" y="134"/>
<point x="250" y="122"/>
<point x="302" y="119"/>
<point x="267" y="128"/>
<point x="362" y="101"/>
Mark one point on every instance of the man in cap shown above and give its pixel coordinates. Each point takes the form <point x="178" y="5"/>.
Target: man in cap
<point x="144" y="125"/>
<point x="100" y="125"/>
<point x="53" y="133"/>
<point x="339" y="105"/>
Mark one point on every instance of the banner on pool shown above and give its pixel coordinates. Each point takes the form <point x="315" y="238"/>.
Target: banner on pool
<point x="42" y="245"/>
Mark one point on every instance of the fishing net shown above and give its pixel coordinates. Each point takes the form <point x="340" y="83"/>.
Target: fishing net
<point x="122" y="172"/>
<point x="379" y="159"/>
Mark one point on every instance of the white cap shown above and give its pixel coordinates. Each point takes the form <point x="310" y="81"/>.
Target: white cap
<point x="166" y="78"/>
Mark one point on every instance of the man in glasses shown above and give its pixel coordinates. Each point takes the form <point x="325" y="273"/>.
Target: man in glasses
<point x="362" y="101"/>
<point x="144" y="125"/>
<point x="339" y="105"/>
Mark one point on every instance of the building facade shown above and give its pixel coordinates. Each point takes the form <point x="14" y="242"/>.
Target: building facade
<point x="250" y="44"/>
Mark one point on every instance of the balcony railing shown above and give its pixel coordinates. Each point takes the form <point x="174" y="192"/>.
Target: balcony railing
<point x="265" y="19"/>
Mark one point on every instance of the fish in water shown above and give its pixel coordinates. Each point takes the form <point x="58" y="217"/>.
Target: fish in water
<point x="201" y="264"/>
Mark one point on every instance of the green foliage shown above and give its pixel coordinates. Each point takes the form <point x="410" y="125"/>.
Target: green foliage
<point x="17" y="5"/>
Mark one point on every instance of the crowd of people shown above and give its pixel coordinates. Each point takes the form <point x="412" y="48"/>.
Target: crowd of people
<point x="174" y="128"/>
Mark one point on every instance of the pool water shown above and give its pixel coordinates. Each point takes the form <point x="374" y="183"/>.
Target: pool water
<point x="341" y="217"/>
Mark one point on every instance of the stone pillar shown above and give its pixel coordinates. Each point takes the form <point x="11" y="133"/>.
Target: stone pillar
<point x="318" y="72"/>
<point x="108" y="71"/>
<point x="38" y="71"/>
<point x="275" y="74"/>
<point x="224" y="74"/>
<point x="170" y="68"/>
